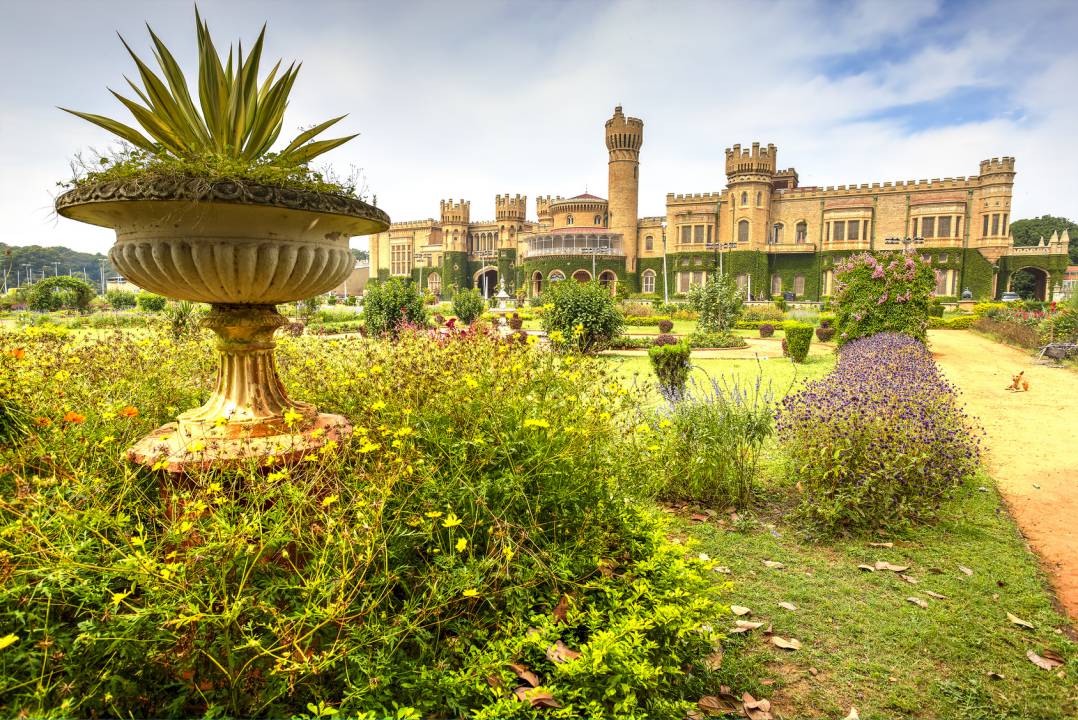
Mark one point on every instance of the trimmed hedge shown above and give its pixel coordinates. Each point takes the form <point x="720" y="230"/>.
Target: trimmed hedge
<point x="644" y="321"/>
<point x="798" y="340"/>
<point x="958" y="322"/>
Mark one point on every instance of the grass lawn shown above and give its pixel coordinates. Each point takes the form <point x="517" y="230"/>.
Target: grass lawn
<point x="865" y="645"/>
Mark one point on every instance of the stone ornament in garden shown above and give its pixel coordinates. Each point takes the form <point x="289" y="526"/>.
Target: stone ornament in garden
<point x="203" y="211"/>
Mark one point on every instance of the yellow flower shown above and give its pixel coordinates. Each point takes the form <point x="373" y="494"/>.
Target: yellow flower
<point x="326" y="502"/>
<point x="185" y="526"/>
<point x="380" y="405"/>
<point x="470" y="382"/>
<point x="118" y="598"/>
<point x="536" y="422"/>
<point x="451" y="521"/>
<point x="291" y="417"/>
<point x="462" y="544"/>
<point x="9" y="639"/>
<point x="368" y="446"/>
<point x="404" y="431"/>
<point x="196" y="446"/>
<point x="376" y="369"/>
<point x="434" y="514"/>
<point x="642" y="428"/>
<point x="664" y="423"/>
<point x="508" y="552"/>
<point x="470" y="593"/>
<point x="221" y="421"/>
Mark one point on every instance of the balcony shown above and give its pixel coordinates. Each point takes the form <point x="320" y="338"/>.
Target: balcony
<point x="579" y="243"/>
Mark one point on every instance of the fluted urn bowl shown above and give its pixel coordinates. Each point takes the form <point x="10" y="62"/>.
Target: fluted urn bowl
<point x="243" y="249"/>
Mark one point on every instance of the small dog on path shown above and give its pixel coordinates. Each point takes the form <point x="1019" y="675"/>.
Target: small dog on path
<point x="1019" y="382"/>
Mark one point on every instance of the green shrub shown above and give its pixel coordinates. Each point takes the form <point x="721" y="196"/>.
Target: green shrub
<point x="766" y="330"/>
<point x="882" y="292"/>
<point x="712" y="438"/>
<point x="644" y="321"/>
<point x="798" y="340"/>
<point x="329" y="317"/>
<point x="351" y="301"/>
<point x="61" y="292"/>
<point x="1061" y="326"/>
<point x="389" y="305"/>
<point x="716" y="340"/>
<point x="825" y="333"/>
<point x="580" y="316"/>
<point x="671" y="365"/>
<point x="625" y="342"/>
<point x="780" y="302"/>
<point x="935" y="310"/>
<point x="488" y="487"/>
<point x="766" y="313"/>
<point x="984" y="308"/>
<point x="331" y="300"/>
<point x="121" y="299"/>
<point x="468" y="305"/>
<point x="148" y="302"/>
<point x="958" y="322"/>
<point x="718" y="301"/>
<point x="664" y="339"/>
<point x="666" y="326"/>
<point x="182" y="318"/>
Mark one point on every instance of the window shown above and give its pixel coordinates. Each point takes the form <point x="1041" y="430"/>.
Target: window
<point x="943" y="226"/>
<point x="853" y="228"/>
<point x="799" y="285"/>
<point x="776" y="284"/>
<point x="828" y="232"/>
<point x="995" y="225"/>
<point x="915" y="221"/>
<point x="776" y="233"/>
<point x="687" y="280"/>
<point x="698" y="233"/>
<point x="568" y="219"/>
<point x="828" y="277"/>
<point x="928" y="227"/>
<point x="839" y="231"/>
<point x="984" y="230"/>
<point x="434" y="283"/>
<point x="598" y="220"/>
<point x="744" y="199"/>
<point x="759" y="199"/>
<point x="709" y="233"/>
<point x="943" y="260"/>
<point x="400" y="259"/>
<point x="649" y="243"/>
<point x="743" y="231"/>
<point x="1004" y="225"/>
<point x="556" y="276"/>
<point x="958" y="226"/>
<point x="686" y="234"/>
<point x="802" y="232"/>
<point x="742" y="280"/>
<point x="537" y="283"/>
<point x="647" y="281"/>
<point x="941" y="282"/>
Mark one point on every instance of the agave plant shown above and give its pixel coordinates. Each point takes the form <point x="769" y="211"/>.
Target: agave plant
<point x="239" y="117"/>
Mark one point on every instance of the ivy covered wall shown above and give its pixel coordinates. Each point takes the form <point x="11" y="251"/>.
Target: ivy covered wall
<point x="789" y="266"/>
<point x="455" y="266"/>
<point x="570" y="264"/>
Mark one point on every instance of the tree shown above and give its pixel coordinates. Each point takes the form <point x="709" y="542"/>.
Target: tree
<point x="719" y="303"/>
<point x="390" y="304"/>
<point x="580" y="316"/>
<point x="468" y="306"/>
<point x="61" y="293"/>
<point x="1030" y="231"/>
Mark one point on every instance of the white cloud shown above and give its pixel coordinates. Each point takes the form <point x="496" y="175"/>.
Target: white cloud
<point x="474" y="99"/>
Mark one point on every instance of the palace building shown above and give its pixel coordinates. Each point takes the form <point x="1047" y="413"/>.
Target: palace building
<point x="765" y="229"/>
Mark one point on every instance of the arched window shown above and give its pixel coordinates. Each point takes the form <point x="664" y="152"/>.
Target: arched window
<point x="608" y="279"/>
<point x="828" y="278"/>
<point x="743" y="231"/>
<point x="777" y="232"/>
<point x="799" y="285"/>
<point x="568" y="219"/>
<point x="598" y="220"/>
<point x="649" y="243"/>
<point x="582" y="276"/>
<point x="555" y="276"/>
<point x="647" y="281"/>
<point x="742" y="280"/>
<point x="776" y="284"/>
<point x="759" y="199"/>
<point x="744" y="199"/>
<point x="802" y="232"/>
<point x="537" y="283"/>
<point x="434" y="283"/>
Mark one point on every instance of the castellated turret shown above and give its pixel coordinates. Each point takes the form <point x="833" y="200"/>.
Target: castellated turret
<point x="750" y="177"/>
<point x="511" y="209"/>
<point x="758" y="161"/>
<point x="624" y="138"/>
<point x="455" y="219"/>
<point x="997" y="170"/>
<point x="542" y="210"/>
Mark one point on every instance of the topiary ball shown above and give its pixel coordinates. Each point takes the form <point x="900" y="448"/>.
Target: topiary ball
<point x="665" y="326"/>
<point x="665" y="339"/>
<point x="767" y="330"/>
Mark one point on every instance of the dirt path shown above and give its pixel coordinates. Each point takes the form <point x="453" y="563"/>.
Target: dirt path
<point x="1032" y="443"/>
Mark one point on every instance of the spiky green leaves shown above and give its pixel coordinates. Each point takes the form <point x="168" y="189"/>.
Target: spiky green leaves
<point x="236" y="116"/>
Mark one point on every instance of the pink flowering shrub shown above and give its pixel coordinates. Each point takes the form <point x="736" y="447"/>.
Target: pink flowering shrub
<point x="882" y="292"/>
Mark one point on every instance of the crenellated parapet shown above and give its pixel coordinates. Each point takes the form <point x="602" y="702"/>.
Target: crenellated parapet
<point x="755" y="161"/>
<point x="686" y="198"/>
<point x="511" y="208"/>
<point x="624" y="136"/>
<point x="456" y="213"/>
<point x="997" y="165"/>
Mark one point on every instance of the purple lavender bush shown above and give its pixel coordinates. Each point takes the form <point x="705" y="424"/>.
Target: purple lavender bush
<point x="879" y="442"/>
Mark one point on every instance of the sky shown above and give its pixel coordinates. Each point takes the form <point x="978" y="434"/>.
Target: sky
<point x="471" y="99"/>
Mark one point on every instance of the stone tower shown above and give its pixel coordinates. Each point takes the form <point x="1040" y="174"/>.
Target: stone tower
<point x="542" y="209"/>
<point x="511" y="213"/>
<point x="624" y="136"/>
<point x="991" y="203"/>
<point x="455" y="218"/>
<point x="749" y="176"/>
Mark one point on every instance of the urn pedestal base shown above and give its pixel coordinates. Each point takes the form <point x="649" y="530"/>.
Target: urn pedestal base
<point x="249" y="418"/>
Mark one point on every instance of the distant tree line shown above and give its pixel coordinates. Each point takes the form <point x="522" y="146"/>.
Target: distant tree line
<point x="1029" y="232"/>
<point x="50" y="261"/>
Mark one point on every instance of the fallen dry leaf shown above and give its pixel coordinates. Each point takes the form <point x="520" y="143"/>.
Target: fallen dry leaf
<point x="700" y="517"/>
<point x="813" y="672"/>
<point x="787" y="606"/>
<point x="524" y="674"/>
<point x="1019" y="621"/>
<point x="853" y="715"/>
<point x="935" y="595"/>
<point x="882" y="565"/>
<point x="1047" y="660"/>
<point x="908" y="578"/>
<point x="714" y="660"/>
<point x="536" y="697"/>
<point x="495" y="682"/>
<point x="756" y="709"/>
<point x="994" y="676"/>
<point x="965" y="570"/>
<point x="740" y="610"/>
<point x="561" y="610"/>
<point x="785" y="643"/>
<point x="868" y="568"/>
<point x="917" y="601"/>
<point x="722" y="704"/>
<point x="768" y="682"/>
<point x="722" y="569"/>
<point x="882" y="545"/>
<point x="559" y="652"/>
<point x="774" y="564"/>
<point x="741" y="626"/>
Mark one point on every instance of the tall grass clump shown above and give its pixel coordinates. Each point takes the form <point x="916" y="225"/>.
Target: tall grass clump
<point x="484" y="523"/>
<point x="879" y="442"/>
<point x="712" y="438"/>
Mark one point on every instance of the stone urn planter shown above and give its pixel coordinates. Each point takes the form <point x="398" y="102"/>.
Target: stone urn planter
<point x="243" y="249"/>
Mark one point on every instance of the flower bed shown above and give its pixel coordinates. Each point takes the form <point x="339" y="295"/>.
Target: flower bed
<point x="880" y="441"/>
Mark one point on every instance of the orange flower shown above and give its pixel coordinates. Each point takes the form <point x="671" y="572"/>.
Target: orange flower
<point x="74" y="417"/>
<point x="18" y="353"/>
<point x="43" y="421"/>
<point x="129" y="412"/>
